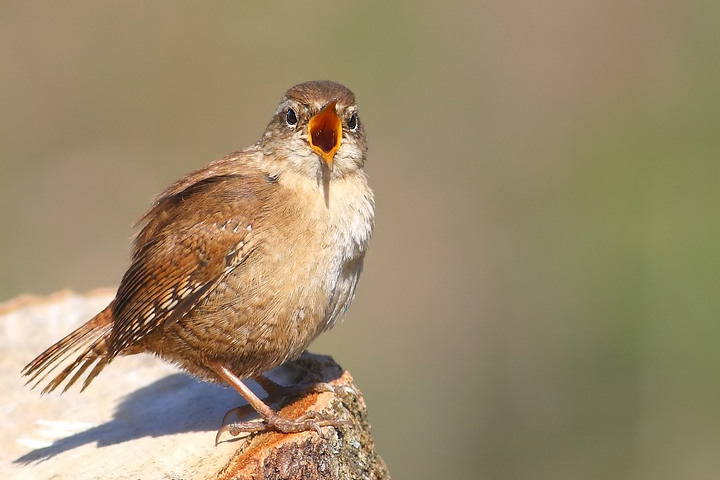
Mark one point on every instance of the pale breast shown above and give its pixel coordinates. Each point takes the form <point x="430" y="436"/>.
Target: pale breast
<point x="338" y="229"/>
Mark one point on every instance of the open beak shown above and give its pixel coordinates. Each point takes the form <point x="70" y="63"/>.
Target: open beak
<point x="325" y="133"/>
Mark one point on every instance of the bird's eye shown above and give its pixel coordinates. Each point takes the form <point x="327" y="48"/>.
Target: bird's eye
<point x="290" y="117"/>
<point x="353" y="122"/>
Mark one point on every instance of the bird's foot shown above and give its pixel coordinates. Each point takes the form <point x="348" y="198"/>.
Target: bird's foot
<point x="309" y="421"/>
<point x="240" y="412"/>
<point x="271" y="421"/>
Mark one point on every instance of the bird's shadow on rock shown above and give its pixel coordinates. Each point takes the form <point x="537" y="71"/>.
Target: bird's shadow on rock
<point x="173" y="404"/>
<point x="177" y="404"/>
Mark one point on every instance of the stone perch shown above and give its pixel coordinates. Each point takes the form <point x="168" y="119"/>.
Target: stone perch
<point x="143" y="419"/>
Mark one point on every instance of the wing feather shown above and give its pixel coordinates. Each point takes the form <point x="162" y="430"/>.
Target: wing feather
<point x="178" y="260"/>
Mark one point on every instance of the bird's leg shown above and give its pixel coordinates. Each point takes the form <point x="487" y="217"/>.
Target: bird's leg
<point x="277" y="391"/>
<point x="270" y="419"/>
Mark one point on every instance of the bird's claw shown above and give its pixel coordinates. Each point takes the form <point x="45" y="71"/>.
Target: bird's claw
<point x="310" y="421"/>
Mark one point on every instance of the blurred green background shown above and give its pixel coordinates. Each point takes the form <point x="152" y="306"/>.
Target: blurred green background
<point x="541" y="297"/>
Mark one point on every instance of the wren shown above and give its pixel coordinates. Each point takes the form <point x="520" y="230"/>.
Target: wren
<point x="239" y="265"/>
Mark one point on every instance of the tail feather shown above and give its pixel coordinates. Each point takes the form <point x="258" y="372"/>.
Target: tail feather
<point x="90" y="341"/>
<point x="54" y="356"/>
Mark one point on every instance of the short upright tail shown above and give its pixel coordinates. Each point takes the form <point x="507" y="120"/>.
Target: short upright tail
<point x="90" y="341"/>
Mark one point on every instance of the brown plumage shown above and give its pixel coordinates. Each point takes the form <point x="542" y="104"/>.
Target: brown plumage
<point x="239" y="265"/>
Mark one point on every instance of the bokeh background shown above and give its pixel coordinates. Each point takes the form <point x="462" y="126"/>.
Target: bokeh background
<point x="541" y="297"/>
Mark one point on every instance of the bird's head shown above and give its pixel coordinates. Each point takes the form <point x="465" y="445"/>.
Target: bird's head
<point x="316" y="131"/>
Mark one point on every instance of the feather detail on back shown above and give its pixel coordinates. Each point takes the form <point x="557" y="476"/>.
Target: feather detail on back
<point x="175" y="264"/>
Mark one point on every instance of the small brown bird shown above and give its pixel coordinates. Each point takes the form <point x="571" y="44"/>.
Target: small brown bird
<point x="239" y="265"/>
